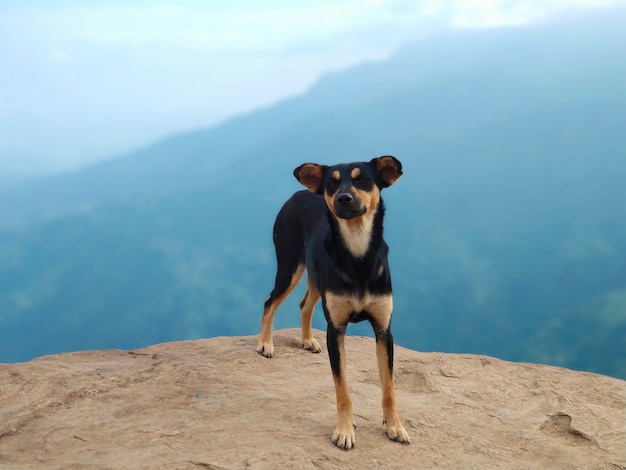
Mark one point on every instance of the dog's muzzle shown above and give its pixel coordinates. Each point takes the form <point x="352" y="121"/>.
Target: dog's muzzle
<point x="347" y="206"/>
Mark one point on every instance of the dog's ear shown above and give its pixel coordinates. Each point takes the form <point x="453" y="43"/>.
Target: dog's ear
<point x="310" y="176"/>
<point x="389" y="168"/>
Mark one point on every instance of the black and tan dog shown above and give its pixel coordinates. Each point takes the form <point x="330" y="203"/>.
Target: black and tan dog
<point x="335" y="231"/>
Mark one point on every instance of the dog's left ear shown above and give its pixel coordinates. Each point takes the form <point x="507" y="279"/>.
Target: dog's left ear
<point x="310" y="176"/>
<point x="389" y="168"/>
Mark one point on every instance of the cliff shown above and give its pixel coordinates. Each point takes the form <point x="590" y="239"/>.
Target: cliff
<point x="217" y="404"/>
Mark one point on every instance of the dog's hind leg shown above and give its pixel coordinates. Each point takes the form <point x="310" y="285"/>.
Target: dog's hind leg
<point x="307" y="305"/>
<point x="285" y="282"/>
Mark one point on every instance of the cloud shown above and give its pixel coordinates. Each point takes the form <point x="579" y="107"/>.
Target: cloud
<point x="247" y="28"/>
<point x="496" y="13"/>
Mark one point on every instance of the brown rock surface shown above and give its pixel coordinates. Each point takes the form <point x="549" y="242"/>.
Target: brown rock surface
<point x="216" y="403"/>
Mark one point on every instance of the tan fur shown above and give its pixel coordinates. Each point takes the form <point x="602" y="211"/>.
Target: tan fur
<point x="395" y="430"/>
<point x="310" y="175"/>
<point x="265" y="345"/>
<point x="381" y="270"/>
<point x="344" y="436"/>
<point x="388" y="169"/>
<point x="357" y="232"/>
<point x="329" y="199"/>
<point x="307" y="305"/>
<point x="341" y="306"/>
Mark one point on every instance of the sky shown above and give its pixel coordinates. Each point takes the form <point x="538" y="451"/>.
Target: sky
<point x="83" y="81"/>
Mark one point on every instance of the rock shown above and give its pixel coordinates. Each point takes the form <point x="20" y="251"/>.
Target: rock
<point x="216" y="404"/>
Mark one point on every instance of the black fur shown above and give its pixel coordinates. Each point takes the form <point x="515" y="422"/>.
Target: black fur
<point x="335" y="231"/>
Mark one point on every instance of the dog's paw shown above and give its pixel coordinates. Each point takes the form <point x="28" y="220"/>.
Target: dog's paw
<point x="311" y="345"/>
<point x="398" y="433"/>
<point x="265" y="349"/>
<point x="344" y="437"/>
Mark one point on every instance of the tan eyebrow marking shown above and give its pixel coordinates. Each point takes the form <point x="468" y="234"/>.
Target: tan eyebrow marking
<point x="335" y="175"/>
<point x="356" y="172"/>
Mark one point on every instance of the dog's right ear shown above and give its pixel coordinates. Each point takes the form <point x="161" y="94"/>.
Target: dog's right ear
<point x="310" y="176"/>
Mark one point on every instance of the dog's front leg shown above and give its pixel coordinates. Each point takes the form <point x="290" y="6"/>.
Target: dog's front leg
<point x="344" y="436"/>
<point x="384" y="355"/>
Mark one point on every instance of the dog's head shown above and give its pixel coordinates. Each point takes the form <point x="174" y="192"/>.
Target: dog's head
<point x="350" y="189"/>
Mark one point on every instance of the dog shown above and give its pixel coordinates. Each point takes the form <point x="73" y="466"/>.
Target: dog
<point x="335" y="231"/>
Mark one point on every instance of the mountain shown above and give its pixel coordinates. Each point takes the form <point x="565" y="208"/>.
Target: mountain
<point x="506" y="231"/>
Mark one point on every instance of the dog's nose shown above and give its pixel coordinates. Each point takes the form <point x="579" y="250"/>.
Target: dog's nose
<point x="344" y="199"/>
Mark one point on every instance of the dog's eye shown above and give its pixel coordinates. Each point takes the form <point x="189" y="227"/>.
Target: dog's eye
<point x="332" y="185"/>
<point x="359" y="180"/>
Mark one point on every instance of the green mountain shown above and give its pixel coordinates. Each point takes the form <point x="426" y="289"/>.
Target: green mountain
<point x="507" y="232"/>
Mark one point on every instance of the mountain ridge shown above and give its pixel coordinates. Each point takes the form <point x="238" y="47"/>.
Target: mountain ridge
<point x="161" y="159"/>
<point x="503" y="230"/>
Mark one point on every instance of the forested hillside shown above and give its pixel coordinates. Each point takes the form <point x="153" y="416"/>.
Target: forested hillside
<point x="507" y="230"/>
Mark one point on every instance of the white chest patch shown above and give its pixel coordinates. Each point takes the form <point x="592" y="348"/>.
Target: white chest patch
<point x="357" y="236"/>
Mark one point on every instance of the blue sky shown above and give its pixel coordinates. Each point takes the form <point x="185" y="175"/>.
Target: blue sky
<point x="81" y="81"/>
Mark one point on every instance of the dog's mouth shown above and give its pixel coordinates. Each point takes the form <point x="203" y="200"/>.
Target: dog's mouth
<point x="348" y="212"/>
<point x="346" y="205"/>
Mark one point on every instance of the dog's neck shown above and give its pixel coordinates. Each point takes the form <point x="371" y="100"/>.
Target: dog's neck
<point x="356" y="235"/>
<point x="363" y="233"/>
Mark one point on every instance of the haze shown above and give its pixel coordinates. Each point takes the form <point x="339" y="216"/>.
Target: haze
<point x="82" y="81"/>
